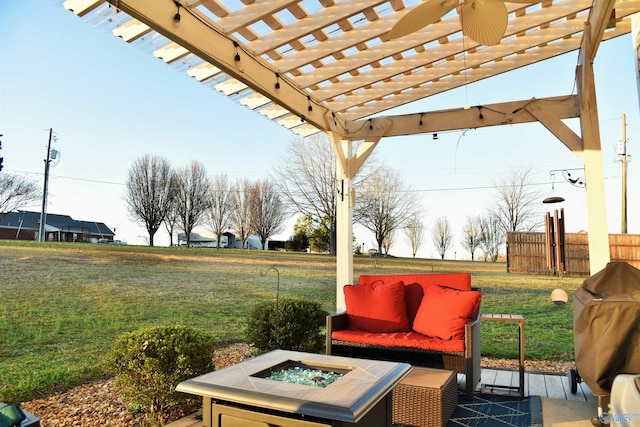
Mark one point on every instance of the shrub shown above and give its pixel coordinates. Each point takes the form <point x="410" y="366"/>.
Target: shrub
<point x="149" y="363"/>
<point x="291" y="325"/>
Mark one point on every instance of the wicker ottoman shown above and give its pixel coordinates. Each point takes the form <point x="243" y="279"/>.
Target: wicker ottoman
<point x="426" y="398"/>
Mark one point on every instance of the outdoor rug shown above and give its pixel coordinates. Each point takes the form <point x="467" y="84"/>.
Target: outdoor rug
<point x="497" y="411"/>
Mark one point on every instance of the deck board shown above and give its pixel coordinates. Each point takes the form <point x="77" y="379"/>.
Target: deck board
<point x="503" y="378"/>
<point x="582" y="388"/>
<point x="555" y="389"/>
<point x="536" y="385"/>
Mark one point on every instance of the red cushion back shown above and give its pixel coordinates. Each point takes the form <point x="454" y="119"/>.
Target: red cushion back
<point x="377" y="307"/>
<point x="444" y="312"/>
<point x="461" y="281"/>
<point x="415" y="283"/>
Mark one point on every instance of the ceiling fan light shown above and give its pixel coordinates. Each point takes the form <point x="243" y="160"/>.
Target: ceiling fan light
<point x="484" y="21"/>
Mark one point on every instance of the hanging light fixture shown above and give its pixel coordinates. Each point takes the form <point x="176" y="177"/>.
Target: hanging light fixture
<point x="566" y="174"/>
<point x="176" y="17"/>
<point x="553" y="197"/>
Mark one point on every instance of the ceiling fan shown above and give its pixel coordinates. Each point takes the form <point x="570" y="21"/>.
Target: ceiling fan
<point x="483" y="21"/>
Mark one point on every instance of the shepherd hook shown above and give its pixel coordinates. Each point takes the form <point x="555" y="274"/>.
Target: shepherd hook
<point x="278" y="285"/>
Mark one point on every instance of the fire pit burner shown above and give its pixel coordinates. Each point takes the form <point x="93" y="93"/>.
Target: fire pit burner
<point x="298" y="372"/>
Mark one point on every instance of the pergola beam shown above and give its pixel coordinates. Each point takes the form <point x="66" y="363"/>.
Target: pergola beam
<point x="478" y="116"/>
<point x="597" y="24"/>
<point x="554" y="124"/>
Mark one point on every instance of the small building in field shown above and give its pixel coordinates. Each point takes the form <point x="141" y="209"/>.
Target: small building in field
<point x="228" y="239"/>
<point x="25" y="225"/>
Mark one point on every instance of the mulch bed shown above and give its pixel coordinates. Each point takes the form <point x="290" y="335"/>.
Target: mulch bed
<point x="98" y="404"/>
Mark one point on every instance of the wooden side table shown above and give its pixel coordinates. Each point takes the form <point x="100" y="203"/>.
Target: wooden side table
<point x="508" y="390"/>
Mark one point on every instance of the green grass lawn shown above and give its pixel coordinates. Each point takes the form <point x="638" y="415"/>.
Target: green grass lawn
<point x="62" y="305"/>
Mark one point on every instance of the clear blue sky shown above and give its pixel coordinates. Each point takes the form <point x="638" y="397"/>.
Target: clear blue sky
<point x="109" y="103"/>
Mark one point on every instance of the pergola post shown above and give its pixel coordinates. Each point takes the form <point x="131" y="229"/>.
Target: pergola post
<point x="344" y="241"/>
<point x="348" y="165"/>
<point x="599" y="253"/>
<point x="344" y="221"/>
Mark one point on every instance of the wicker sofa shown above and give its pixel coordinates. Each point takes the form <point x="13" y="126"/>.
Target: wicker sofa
<point x="430" y="320"/>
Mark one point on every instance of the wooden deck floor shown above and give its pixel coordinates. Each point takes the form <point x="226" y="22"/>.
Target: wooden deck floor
<point x="536" y="384"/>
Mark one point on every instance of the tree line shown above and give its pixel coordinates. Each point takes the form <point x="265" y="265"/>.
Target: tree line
<point x="186" y="197"/>
<point x="514" y="209"/>
<point x="305" y="184"/>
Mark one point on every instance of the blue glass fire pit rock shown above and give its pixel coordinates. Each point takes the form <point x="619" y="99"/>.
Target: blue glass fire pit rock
<point x="311" y="377"/>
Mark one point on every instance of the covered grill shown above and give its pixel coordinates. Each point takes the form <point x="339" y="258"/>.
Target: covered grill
<point x="606" y="316"/>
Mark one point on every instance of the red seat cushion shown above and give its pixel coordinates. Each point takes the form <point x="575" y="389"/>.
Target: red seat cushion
<point x="444" y="312"/>
<point x="376" y="308"/>
<point x="399" y="339"/>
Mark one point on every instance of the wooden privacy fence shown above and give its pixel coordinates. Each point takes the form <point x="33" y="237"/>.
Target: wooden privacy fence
<point x="529" y="253"/>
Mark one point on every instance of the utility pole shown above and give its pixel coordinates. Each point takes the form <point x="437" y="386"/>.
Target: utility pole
<point x="624" y="173"/>
<point x="43" y="213"/>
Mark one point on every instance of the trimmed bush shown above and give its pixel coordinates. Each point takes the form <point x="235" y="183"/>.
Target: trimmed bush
<point x="291" y="325"/>
<point x="149" y="363"/>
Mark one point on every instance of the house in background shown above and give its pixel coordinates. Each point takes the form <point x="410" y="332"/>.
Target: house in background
<point x="25" y="225"/>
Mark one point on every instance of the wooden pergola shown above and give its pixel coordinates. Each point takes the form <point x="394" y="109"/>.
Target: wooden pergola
<point x="329" y="66"/>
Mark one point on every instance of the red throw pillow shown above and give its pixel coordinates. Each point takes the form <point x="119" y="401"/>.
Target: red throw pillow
<point x="376" y="308"/>
<point x="444" y="312"/>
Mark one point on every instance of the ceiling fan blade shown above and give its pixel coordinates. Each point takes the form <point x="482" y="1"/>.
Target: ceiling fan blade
<point x="421" y="16"/>
<point x="484" y="21"/>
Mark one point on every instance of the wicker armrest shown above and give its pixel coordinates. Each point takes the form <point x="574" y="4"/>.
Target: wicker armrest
<point x="472" y="354"/>
<point x="472" y="335"/>
<point x="335" y="322"/>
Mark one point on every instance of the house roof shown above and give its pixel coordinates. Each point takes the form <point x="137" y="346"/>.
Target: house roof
<point x="64" y="223"/>
<point x="322" y="64"/>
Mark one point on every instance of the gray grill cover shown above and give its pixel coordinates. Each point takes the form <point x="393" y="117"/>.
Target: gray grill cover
<point x="606" y="318"/>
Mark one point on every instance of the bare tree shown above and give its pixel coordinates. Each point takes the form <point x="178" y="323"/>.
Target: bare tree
<point x="15" y="192"/>
<point x="442" y="236"/>
<point x="170" y="223"/>
<point x="221" y="208"/>
<point x="414" y="231"/>
<point x="241" y="216"/>
<point x="149" y="192"/>
<point x="517" y="203"/>
<point x="471" y="235"/>
<point x="492" y="236"/>
<point x="192" y="197"/>
<point x="307" y="181"/>
<point x="268" y="212"/>
<point x="384" y="205"/>
<point x="387" y="242"/>
<point x="171" y="219"/>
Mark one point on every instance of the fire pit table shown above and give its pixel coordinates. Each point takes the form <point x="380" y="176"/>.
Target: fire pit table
<point x="242" y="395"/>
